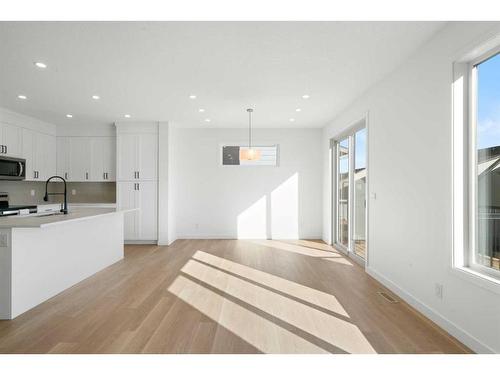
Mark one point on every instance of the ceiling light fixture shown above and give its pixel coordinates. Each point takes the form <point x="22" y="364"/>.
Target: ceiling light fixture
<point x="249" y="153"/>
<point x="201" y="110"/>
<point x="96" y="97"/>
<point x="126" y="116"/>
<point x="207" y="120"/>
<point x="23" y="97"/>
<point x="305" y="96"/>
<point x="40" y="65"/>
<point x="298" y="110"/>
<point x="69" y="115"/>
<point x="192" y="96"/>
<point x="292" y="120"/>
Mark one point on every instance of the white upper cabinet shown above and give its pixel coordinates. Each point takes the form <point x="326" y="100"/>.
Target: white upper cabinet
<point x="109" y="158"/>
<point x="45" y="156"/>
<point x="88" y="159"/>
<point x="11" y="140"/>
<point x="39" y="150"/>
<point x="63" y="147"/>
<point x="137" y="156"/>
<point x="79" y="159"/>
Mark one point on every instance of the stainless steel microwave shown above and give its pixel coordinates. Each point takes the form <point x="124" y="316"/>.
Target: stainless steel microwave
<point x="12" y="168"/>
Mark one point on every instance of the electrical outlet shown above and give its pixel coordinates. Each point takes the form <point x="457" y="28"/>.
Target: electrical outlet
<point x="73" y="191"/>
<point x="438" y="289"/>
<point x="32" y="192"/>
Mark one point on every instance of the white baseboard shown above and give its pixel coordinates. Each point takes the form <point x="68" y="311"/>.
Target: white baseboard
<point x="141" y="242"/>
<point x="432" y="314"/>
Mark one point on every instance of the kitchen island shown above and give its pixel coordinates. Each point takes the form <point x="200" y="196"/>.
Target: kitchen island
<point x="42" y="255"/>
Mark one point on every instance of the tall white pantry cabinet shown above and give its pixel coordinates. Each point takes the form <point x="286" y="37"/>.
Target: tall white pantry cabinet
<point x="137" y="179"/>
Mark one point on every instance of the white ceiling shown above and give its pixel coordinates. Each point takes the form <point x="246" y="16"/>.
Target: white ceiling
<point x="149" y="69"/>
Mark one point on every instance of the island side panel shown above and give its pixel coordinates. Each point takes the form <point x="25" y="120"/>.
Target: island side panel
<point x="5" y="269"/>
<point x="48" y="260"/>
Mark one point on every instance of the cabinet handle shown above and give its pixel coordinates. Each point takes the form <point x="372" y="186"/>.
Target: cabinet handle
<point x="138" y="174"/>
<point x="65" y="175"/>
<point x="3" y="149"/>
<point x="107" y="176"/>
<point x="138" y="186"/>
<point x="34" y="174"/>
<point x="6" y="150"/>
<point x="104" y="175"/>
<point x="86" y="175"/>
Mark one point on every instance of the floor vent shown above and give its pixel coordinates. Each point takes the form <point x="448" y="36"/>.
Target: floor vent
<point x="388" y="297"/>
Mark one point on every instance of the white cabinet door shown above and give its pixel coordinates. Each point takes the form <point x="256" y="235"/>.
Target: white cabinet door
<point x="51" y="161"/>
<point x="44" y="156"/>
<point x="147" y="198"/>
<point x="127" y="198"/>
<point x="97" y="159"/>
<point x="147" y="156"/>
<point x="63" y="150"/>
<point x="28" y="153"/>
<point x="11" y="139"/>
<point x="79" y="160"/>
<point x="109" y="158"/>
<point x="127" y="154"/>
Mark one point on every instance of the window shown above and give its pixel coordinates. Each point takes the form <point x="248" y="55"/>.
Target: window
<point x="231" y="156"/>
<point x="476" y="165"/>
<point x="486" y="155"/>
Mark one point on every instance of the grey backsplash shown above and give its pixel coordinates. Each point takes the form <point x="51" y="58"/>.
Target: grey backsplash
<point x="85" y="192"/>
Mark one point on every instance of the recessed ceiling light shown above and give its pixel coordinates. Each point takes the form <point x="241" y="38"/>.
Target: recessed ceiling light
<point x="201" y="110"/>
<point x="305" y="96"/>
<point x="192" y="96"/>
<point x="207" y="120"/>
<point x="40" y="65"/>
<point x="298" y="110"/>
<point x="292" y="120"/>
<point x="96" y="97"/>
<point x="69" y="115"/>
<point x="126" y="116"/>
<point x="23" y="97"/>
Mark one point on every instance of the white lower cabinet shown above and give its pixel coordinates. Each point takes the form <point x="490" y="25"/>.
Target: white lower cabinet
<point x="140" y="225"/>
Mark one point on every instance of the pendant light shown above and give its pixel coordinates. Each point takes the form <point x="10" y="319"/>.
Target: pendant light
<point x="249" y="153"/>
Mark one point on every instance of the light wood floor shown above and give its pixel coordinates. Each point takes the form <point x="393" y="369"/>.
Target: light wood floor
<point x="226" y="296"/>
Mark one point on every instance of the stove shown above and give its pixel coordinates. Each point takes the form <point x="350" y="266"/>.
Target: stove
<point x="16" y="210"/>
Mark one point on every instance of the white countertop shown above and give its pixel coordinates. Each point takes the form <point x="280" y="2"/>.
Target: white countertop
<point x="74" y="214"/>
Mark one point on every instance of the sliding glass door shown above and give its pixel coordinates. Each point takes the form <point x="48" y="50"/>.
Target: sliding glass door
<point x="350" y="175"/>
<point x="343" y="193"/>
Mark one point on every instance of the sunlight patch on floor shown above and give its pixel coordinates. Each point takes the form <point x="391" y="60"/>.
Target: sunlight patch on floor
<point x="313" y="296"/>
<point x="264" y="335"/>
<point x="329" y="255"/>
<point x="331" y="329"/>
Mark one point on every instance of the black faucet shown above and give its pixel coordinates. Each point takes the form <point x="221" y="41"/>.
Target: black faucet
<point x="64" y="208"/>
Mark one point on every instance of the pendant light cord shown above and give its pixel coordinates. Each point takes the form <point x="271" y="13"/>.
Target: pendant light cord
<point x="249" y="128"/>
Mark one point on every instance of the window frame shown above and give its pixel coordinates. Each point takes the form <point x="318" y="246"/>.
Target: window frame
<point x="472" y="248"/>
<point x="464" y="170"/>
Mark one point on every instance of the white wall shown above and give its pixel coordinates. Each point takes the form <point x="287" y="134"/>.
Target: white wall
<point x="212" y="201"/>
<point x="410" y="166"/>
<point x="18" y="119"/>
